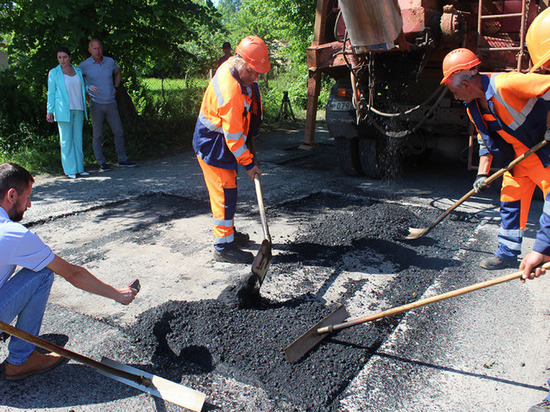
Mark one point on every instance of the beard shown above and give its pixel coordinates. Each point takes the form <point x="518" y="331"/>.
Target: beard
<point x="16" y="216"/>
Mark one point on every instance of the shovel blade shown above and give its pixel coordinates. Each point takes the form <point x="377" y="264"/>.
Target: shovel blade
<point x="297" y="349"/>
<point x="161" y="388"/>
<point x="262" y="261"/>
<point x="415" y="233"/>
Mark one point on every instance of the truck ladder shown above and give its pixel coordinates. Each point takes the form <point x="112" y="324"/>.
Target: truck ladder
<point x="520" y="56"/>
<point x="520" y="48"/>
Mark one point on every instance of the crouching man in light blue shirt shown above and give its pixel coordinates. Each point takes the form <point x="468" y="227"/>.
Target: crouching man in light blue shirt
<point x="23" y="295"/>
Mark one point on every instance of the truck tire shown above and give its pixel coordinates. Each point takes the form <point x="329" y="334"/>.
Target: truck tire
<point x="368" y="156"/>
<point x="348" y="155"/>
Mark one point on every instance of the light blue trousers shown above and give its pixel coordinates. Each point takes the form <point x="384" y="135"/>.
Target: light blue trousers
<point x="70" y="138"/>
<point x="24" y="297"/>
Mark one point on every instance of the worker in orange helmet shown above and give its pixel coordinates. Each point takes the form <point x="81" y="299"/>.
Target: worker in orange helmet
<point x="230" y="116"/>
<point x="509" y="111"/>
<point x="538" y="41"/>
<point x="538" y="44"/>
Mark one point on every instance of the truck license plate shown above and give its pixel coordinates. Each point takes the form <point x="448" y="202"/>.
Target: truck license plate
<point x="340" y="106"/>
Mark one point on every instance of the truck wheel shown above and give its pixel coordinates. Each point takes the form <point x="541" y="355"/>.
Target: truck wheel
<point x="368" y="155"/>
<point x="348" y="155"/>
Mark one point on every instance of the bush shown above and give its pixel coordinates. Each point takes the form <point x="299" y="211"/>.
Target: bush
<point x="25" y="136"/>
<point x="168" y="113"/>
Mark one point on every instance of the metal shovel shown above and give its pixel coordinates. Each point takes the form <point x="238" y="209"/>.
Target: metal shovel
<point x="415" y="233"/>
<point x="297" y="349"/>
<point x="262" y="261"/>
<point x="146" y="382"/>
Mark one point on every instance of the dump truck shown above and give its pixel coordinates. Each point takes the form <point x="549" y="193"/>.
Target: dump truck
<point x="386" y="107"/>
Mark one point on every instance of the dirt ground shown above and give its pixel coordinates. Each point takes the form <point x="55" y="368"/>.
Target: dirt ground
<point x="336" y="240"/>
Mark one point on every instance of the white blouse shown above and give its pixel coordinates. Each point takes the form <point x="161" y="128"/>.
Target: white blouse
<point x="74" y="89"/>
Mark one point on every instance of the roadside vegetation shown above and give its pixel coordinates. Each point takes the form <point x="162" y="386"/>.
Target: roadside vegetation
<point x="165" y="50"/>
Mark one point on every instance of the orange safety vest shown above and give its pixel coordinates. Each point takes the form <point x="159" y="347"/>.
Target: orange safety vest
<point x="224" y="122"/>
<point x="519" y="105"/>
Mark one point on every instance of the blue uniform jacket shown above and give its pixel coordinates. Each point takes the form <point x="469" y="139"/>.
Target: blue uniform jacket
<point x="529" y="133"/>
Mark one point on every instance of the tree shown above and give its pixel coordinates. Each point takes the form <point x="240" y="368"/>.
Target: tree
<point x="140" y="34"/>
<point x="229" y="7"/>
<point x="278" y="22"/>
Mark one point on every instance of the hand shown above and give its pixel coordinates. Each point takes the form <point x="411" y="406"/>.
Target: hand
<point x="93" y="89"/>
<point x="128" y="294"/>
<point x="255" y="170"/>
<point x="480" y="184"/>
<point x="547" y="134"/>
<point x="49" y="117"/>
<point x="529" y="265"/>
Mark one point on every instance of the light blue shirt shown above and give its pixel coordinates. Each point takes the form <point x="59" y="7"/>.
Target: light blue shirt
<point x="20" y="246"/>
<point x="101" y="76"/>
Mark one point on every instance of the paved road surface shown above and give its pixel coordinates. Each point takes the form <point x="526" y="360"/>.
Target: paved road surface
<point x="485" y="351"/>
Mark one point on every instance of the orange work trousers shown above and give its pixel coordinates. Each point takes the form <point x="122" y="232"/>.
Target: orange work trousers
<point x="515" y="201"/>
<point x="222" y="188"/>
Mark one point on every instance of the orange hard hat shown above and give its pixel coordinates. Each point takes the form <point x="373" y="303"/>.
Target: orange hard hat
<point x="254" y="52"/>
<point x="458" y="60"/>
<point x="538" y="39"/>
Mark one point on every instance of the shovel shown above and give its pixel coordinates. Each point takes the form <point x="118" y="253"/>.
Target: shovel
<point x="297" y="349"/>
<point x="146" y="382"/>
<point x="262" y="261"/>
<point x="415" y="233"/>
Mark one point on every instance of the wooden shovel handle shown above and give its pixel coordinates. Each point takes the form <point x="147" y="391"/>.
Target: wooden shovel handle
<point x="261" y="207"/>
<point x="423" y="302"/>
<point x="44" y="344"/>
<point x="490" y="179"/>
<point x="514" y="162"/>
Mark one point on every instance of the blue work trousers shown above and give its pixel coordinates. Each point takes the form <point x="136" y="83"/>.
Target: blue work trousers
<point x="24" y="297"/>
<point x="70" y="139"/>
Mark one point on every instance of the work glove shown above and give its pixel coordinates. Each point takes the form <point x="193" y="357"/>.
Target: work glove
<point x="480" y="184"/>
<point x="547" y="134"/>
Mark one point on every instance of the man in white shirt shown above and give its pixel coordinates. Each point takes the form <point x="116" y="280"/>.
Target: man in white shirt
<point x="23" y="295"/>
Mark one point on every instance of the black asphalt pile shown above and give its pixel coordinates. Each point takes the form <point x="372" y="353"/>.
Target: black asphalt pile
<point x="346" y="226"/>
<point x="337" y="232"/>
<point x="244" y="295"/>
<point x="248" y="345"/>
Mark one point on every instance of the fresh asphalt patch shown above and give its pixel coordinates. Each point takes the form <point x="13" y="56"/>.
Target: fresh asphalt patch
<point x="195" y="341"/>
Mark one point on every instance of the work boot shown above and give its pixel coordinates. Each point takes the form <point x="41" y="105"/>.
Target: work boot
<point x="494" y="263"/>
<point x="233" y="254"/>
<point x="37" y="363"/>
<point x="544" y="406"/>
<point x="240" y="238"/>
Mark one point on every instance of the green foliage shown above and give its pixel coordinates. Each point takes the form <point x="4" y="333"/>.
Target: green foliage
<point x="167" y="39"/>
<point x="25" y="136"/>
<point x="168" y="112"/>
<point x="161" y="36"/>
<point x="296" y="86"/>
<point x="286" y="25"/>
<point x="141" y="34"/>
<point x="287" y="28"/>
<point x="19" y="114"/>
